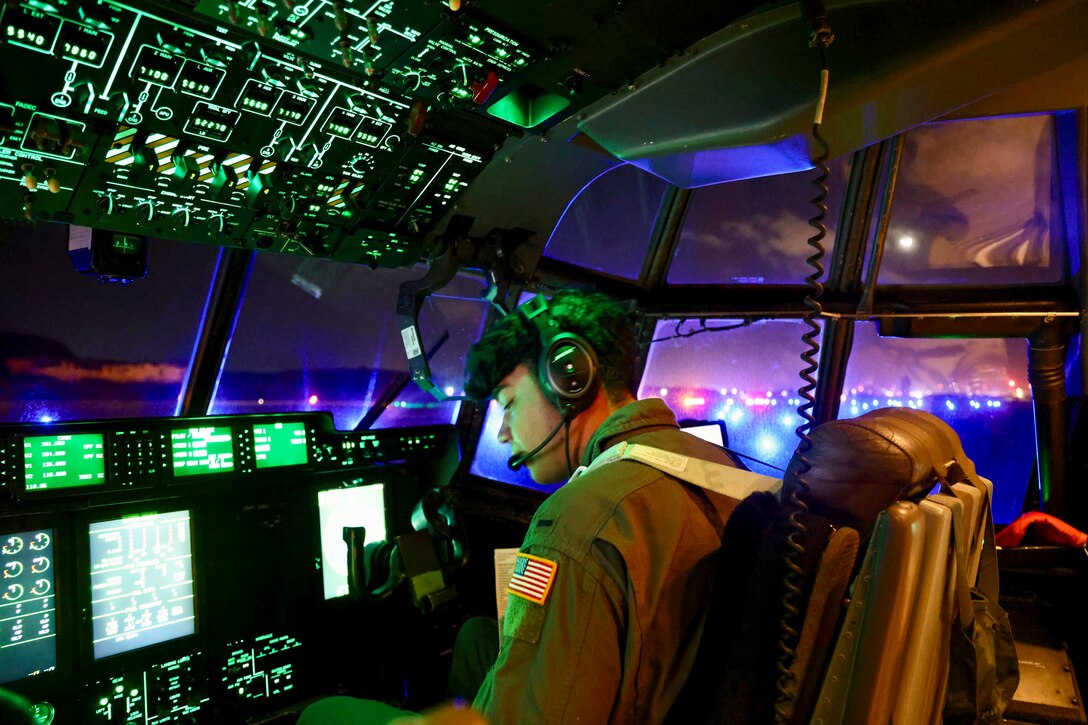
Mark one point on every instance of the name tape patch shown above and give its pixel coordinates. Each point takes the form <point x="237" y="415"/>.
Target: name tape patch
<point x="533" y="577"/>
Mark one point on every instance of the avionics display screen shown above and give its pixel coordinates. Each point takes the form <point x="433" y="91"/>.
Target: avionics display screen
<point x="280" y="444"/>
<point x="202" y="450"/>
<point x="141" y="582"/>
<point x="64" y="461"/>
<point x="28" y="620"/>
<point x="340" y="507"/>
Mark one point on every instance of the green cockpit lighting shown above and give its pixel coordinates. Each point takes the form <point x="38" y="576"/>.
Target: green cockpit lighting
<point x="528" y="106"/>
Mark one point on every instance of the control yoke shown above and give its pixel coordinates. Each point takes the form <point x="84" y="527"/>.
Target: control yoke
<point x="423" y="557"/>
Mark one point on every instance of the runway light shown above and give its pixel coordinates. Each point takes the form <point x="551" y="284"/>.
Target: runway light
<point x="1012" y="383"/>
<point x="906" y="243"/>
<point x="260" y="401"/>
<point x="691" y="401"/>
<point x="767" y="445"/>
<point x="1019" y="393"/>
<point x="45" y="419"/>
<point x="313" y="400"/>
<point x="950" y="405"/>
<point x="449" y="390"/>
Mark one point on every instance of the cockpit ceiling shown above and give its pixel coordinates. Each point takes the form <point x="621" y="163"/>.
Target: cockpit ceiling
<point x="740" y="103"/>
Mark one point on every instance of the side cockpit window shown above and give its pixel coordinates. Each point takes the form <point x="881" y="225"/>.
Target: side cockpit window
<point x="979" y="386"/>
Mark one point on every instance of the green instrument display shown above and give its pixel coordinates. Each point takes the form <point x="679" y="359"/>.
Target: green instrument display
<point x="64" y="461"/>
<point x="280" y="444"/>
<point x="202" y="450"/>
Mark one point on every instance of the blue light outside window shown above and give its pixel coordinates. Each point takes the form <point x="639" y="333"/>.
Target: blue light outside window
<point x="746" y="377"/>
<point x="979" y="387"/>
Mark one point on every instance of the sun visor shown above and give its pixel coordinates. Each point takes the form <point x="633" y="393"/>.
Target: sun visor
<point x="740" y="103"/>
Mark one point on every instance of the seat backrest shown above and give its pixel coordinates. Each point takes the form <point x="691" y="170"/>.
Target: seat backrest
<point x="871" y="475"/>
<point x="821" y="621"/>
<point x="890" y="660"/>
<point x="733" y="679"/>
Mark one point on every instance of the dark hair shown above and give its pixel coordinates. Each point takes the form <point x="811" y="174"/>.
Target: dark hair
<point x="514" y="340"/>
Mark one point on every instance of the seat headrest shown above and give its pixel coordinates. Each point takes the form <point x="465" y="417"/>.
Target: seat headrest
<point x="861" y="466"/>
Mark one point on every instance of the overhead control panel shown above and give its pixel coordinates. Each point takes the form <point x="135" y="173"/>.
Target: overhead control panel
<point x="129" y="119"/>
<point x="333" y="128"/>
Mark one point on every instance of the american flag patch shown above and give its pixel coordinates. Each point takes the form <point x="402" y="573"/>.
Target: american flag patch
<point x="533" y="577"/>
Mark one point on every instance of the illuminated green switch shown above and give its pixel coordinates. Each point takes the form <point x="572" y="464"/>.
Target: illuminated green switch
<point x="224" y="178"/>
<point x="260" y="186"/>
<point x="186" y="167"/>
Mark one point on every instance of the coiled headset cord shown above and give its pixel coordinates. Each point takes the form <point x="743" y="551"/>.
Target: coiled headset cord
<point x="798" y="493"/>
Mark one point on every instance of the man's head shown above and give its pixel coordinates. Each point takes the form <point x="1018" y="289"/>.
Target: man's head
<point x="505" y="364"/>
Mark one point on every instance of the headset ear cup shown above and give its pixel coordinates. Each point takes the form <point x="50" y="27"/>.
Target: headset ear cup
<point x="569" y="372"/>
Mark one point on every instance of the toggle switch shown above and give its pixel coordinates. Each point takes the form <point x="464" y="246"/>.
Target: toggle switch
<point x="30" y="180"/>
<point x="264" y="23"/>
<point x="347" y="57"/>
<point x="372" y="29"/>
<point x="340" y="16"/>
<point x="369" y="54"/>
<point x="51" y="180"/>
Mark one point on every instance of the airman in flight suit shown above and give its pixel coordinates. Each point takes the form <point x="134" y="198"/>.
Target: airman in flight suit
<point x="611" y="586"/>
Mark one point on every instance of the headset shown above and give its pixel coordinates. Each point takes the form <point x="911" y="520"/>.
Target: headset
<point x="567" y="370"/>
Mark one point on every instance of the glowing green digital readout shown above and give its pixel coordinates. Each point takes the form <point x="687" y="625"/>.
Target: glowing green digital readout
<point x="64" y="461"/>
<point x="280" y="444"/>
<point x="126" y="245"/>
<point x="202" y="450"/>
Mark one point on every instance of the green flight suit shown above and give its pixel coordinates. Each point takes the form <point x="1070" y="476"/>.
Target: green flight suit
<point x="635" y="553"/>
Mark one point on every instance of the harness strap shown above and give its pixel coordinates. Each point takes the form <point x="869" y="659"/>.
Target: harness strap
<point x="721" y="479"/>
